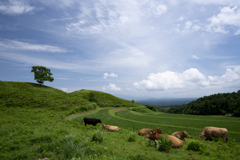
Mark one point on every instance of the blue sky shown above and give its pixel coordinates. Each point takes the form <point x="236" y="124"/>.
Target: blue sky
<point x="142" y="48"/>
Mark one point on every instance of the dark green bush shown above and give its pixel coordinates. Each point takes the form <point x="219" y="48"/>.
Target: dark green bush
<point x="195" y="146"/>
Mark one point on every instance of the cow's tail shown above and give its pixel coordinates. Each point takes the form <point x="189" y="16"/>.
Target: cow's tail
<point x="83" y="120"/>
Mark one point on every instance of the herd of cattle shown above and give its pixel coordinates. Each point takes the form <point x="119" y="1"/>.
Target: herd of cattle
<point x="176" y="137"/>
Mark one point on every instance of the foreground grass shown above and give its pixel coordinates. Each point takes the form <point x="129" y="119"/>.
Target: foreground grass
<point x="42" y="133"/>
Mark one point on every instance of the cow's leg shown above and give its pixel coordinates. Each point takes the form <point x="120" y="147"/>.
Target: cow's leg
<point x="225" y="138"/>
<point x="210" y="138"/>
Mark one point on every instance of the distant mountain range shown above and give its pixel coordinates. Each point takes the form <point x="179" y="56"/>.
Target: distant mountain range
<point x="166" y="101"/>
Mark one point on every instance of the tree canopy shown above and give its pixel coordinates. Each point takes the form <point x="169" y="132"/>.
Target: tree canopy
<point x="42" y="74"/>
<point x="217" y="104"/>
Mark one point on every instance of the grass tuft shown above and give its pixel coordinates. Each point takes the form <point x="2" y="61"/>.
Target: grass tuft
<point x="132" y="137"/>
<point x="195" y="146"/>
<point x="97" y="136"/>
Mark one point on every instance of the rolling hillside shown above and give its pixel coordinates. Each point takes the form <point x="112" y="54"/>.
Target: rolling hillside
<point x="31" y="95"/>
<point x="104" y="99"/>
<point x="40" y="122"/>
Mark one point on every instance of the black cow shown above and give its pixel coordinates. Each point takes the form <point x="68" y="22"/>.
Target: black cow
<point x="91" y="121"/>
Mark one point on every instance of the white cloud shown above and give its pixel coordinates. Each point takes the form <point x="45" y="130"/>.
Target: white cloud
<point x="227" y="17"/>
<point x="30" y="60"/>
<point x="64" y="89"/>
<point x="231" y="75"/>
<point x="196" y="27"/>
<point x="215" y="2"/>
<point x="17" y="45"/>
<point x="195" y="57"/>
<point x="180" y="18"/>
<point x="188" y="25"/>
<point x="105" y="75"/>
<point x="112" y="87"/>
<point x="237" y="32"/>
<point x="189" y="79"/>
<point x="114" y="15"/>
<point x="15" y="7"/>
<point x="161" y="9"/>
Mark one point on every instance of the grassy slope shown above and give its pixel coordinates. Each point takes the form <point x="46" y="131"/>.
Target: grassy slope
<point x="105" y="99"/>
<point x="21" y="94"/>
<point x="33" y="125"/>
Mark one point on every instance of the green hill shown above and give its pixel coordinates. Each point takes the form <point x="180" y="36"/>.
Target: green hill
<point x="104" y="99"/>
<point x="31" y="95"/>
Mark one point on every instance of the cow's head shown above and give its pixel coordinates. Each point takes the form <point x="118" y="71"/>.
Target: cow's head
<point x="152" y="134"/>
<point x="99" y="121"/>
<point x="158" y="130"/>
<point x="185" y="134"/>
<point x="103" y="126"/>
<point x="201" y="136"/>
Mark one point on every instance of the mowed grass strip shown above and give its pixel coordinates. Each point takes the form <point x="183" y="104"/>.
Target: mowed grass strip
<point x="180" y="121"/>
<point x="135" y="122"/>
<point x="190" y="117"/>
<point x="132" y="125"/>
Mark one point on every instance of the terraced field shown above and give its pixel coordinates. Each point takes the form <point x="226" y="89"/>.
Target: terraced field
<point x="169" y="123"/>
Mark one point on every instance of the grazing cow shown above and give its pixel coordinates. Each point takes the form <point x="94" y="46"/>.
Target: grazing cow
<point x="146" y="131"/>
<point x="210" y="132"/>
<point x="111" y="128"/>
<point x="181" y="135"/>
<point x="91" y="121"/>
<point x="176" y="143"/>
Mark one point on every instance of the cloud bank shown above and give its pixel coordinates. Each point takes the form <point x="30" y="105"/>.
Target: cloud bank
<point x="15" y="7"/>
<point x="189" y="79"/>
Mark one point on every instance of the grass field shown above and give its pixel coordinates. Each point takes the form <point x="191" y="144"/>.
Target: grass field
<point x="131" y="121"/>
<point x="40" y="122"/>
<point x="169" y="123"/>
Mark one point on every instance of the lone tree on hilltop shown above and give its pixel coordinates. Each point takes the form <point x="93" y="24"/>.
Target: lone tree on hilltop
<point x="42" y="74"/>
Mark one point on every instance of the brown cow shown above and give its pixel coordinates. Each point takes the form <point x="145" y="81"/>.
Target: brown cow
<point x="181" y="135"/>
<point x="111" y="128"/>
<point x="210" y="132"/>
<point x="176" y="143"/>
<point x="146" y="131"/>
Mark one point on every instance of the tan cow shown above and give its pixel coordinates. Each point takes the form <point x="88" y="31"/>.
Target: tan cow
<point x="176" y="143"/>
<point x="181" y="135"/>
<point x="210" y="132"/>
<point x="146" y="131"/>
<point x="111" y="128"/>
